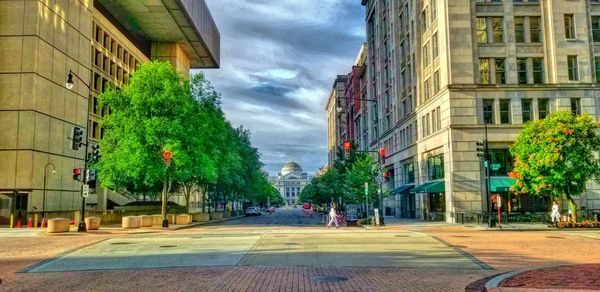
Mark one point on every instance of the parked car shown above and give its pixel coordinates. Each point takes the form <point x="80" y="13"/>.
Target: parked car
<point x="271" y="209"/>
<point x="252" y="211"/>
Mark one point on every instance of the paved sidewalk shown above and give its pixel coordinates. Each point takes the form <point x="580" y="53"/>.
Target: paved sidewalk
<point x="393" y="223"/>
<point x="586" y="276"/>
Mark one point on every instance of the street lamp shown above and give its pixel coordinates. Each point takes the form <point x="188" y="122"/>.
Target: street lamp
<point x="44" y="197"/>
<point x="69" y="84"/>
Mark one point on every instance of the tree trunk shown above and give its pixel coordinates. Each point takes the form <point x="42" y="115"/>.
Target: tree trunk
<point x="572" y="207"/>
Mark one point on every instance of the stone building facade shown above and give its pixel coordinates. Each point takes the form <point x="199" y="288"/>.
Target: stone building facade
<point x="290" y="182"/>
<point x="439" y="69"/>
<point x="101" y="42"/>
<point x="335" y="118"/>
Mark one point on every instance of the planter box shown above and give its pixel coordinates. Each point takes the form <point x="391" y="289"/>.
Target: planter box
<point x="130" y="222"/>
<point x="146" y="221"/>
<point x="216" y="216"/>
<point x="57" y="225"/>
<point x="171" y="218"/>
<point x="157" y="219"/>
<point x="92" y="223"/>
<point x="201" y="217"/>
<point x="227" y="214"/>
<point x="183" y="219"/>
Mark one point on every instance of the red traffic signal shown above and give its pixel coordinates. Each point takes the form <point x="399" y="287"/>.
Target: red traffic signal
<point x="77" y="173"/>
<point x="167" y="156"/>
<point x="386" y="176"/>
<point x="382" y="155"/>
<point x="347" y="146"/>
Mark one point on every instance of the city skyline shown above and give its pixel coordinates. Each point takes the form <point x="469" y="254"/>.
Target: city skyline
<point x="274" y="90"/>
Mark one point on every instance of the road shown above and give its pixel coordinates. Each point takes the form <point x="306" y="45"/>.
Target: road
<point x="284" y="251"/>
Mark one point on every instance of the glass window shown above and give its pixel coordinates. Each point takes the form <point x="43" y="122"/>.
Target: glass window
<point x="576" y="106"/>
<point x="596" y="28"/>
<point x="500" y="71"/>
<point x="428" y="124"/>
<point x="538" y="70"/>
<point x="435" y="167"/>
<point x="426" y="54"/>
<point x="484" y="71"/>
<point x="488" y="111"/>
<point x="433" y="121"/>
<point x="597" y="68"/>
<point x="526" y="109"/>
<point x="505" y="111"/>
<point x="409" y="173"/>
<point x="439" y="118"/>
<point x="433" y="10"/>
<point x="522" y="70"/>
<point x="482" y="37"/>
<point x="520" y="29"/>
<point x="436" y="82"/>
<point x="543" y="108"/>
<point x="572" y="67"/>
<point x="500" y="162"/>
<point x="497" y="29"/>
<point x="535" y="29"/>
<point x="569" y="26"/>
<point x="434" y="43"/>
<point x="426" y="89"/>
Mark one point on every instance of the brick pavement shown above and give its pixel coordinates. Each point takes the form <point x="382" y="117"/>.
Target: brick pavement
<point x="585" y="276"/>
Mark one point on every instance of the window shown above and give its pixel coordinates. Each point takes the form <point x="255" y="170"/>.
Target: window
<point x="436" y="82"/>
<point x="428" y="124"/>
<point x="484" y="70"/>
<point x="434" y="121"/>
<point x="597" y="68"/>
<point x="522" y="70"/>
<point x="500" y="70"/>
<point x="535" y="29"/>
<point x="569" y="26"/>
<point x="482" y="37"/>
<point x="543" y="108"/>
<point x="433" y="10"/>
<point x="426" y="89"/>
<point x="520" y="29"/>
<point x="439" y="118"/>
<point x="423" y="130"/>
<point x="538" y="70"/>
<point x="576" y="106"/>
<point x="526" y="109"/>
<point x="435" y="167"/>
<point x="488" y="111"/>
<point x="434" y="43"/>
<point x="596" y="28"/>
<point x="497" y="29"/>
<point x="424" y="20"/>
<point x="426" y="54"/>
<point x="409" y="173"/>
<point x="572" y="67"/>
<point x="501" y="162"/>
<point x="505" y="111"/>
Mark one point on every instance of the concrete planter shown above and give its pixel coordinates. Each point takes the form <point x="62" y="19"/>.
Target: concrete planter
<point x="227" y="214"/>
<point x="130" y="222"/>
<point x="157" y="219"/>
<point x="146" y="221"/>
<point x="183" y="219"/>
<point x="171" y="218"/>
<point x="216" y="216"/>
<point x="201" y="217"/>
<point x="92" y="223"/>
<point x="57" y="225"/>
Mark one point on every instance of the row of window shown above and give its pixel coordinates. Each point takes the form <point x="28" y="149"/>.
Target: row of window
<point x="527" y="109"/>
<point x="493" y="70"/>
<point x="431" y="122"/>
<point x="104" y="39"/>
<point x="428" y="90"/>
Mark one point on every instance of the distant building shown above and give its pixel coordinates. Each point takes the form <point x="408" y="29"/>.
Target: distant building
<point x="336" y="119"/>
<point x="290" y="182"/>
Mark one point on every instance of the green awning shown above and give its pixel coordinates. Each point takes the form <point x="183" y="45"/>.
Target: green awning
<point x="402" y="190"/>
<point x="431" y="187"/>
<point x="501" y="183"/>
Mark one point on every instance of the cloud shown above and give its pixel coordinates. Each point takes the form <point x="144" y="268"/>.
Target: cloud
<point x="278" y="62"/>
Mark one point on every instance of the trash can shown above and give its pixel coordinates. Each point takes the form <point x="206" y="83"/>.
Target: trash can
<point x="493" y="222"/>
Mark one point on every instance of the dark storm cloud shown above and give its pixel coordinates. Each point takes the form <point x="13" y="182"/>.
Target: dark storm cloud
<point x="278" y="62"/>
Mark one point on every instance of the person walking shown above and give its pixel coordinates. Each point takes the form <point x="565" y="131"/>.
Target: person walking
<point x="555" y="215"/>
<point x="333" y="217"/>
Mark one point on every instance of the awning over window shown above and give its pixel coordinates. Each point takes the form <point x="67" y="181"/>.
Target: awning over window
<point x="431" y="187"/>
<point x="501" y="183"/>
<point x="402" y="190"/>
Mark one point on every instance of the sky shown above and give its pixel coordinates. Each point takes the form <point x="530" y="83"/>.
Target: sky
<point x="279" y="59"/>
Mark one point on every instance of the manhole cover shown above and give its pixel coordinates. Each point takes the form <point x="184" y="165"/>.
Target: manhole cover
<point x="121" y="243"/>
<point x="291" y="243"/>
<point x="167" y="246"/>
<point x="555" y="237"/>
<point x="327" y="278"/>
<point x="462" y="236"/>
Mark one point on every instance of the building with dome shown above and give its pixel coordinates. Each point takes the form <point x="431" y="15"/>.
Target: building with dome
<point x="290" y="182"/>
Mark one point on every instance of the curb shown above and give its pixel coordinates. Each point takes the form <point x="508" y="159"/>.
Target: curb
<point x="492" y="284"/>
<point x="181" y="227"/>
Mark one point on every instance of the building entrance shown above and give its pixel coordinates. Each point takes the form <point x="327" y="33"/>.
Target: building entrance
<point x="407" y="205"/>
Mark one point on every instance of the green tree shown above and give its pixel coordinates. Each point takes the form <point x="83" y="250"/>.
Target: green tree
<point x="555" y="156"/>
<point x="363" y="170"/>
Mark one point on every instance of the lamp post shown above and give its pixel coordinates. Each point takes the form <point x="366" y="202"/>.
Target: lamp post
<point x="44" y="197"/>
<point x="69" y="84"/>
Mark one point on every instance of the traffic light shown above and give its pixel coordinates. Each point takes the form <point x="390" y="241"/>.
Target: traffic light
<point x="91" y="178"/>
<point x="382" y="155"/>
<point x="76" y="138"/>
<point x="95" y="153"/>
<point x="347" y="147"/>
<point x="77" y="174"/>
<point x="481" y="149"/>
<point x="386" y="176"/>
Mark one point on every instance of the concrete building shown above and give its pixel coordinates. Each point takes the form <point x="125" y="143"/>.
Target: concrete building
<point x="101" y="42"/>
<point x="439" y="69"/>
<point x="336" y="120"/>
<point x="290" y="182"/>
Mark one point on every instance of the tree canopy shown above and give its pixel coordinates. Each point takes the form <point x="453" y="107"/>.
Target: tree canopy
<point x="556" y="156"/>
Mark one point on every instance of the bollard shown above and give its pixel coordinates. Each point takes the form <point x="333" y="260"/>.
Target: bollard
<point x="35" y="218"/>
<point x="12" y="220"/>
<point x="18" y="223"/>
<point x="29" y="222"/>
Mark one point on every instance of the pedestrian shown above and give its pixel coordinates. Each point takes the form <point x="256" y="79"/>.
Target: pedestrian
<point x="333" y="217"/>
<point x="555" y="215"/>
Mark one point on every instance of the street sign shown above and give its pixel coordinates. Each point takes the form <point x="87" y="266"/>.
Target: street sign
<point x="86" y="191"/>
<point x="379" y="178"/>
<point x="495" y="166"/>
<point x="376" y="210"/>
